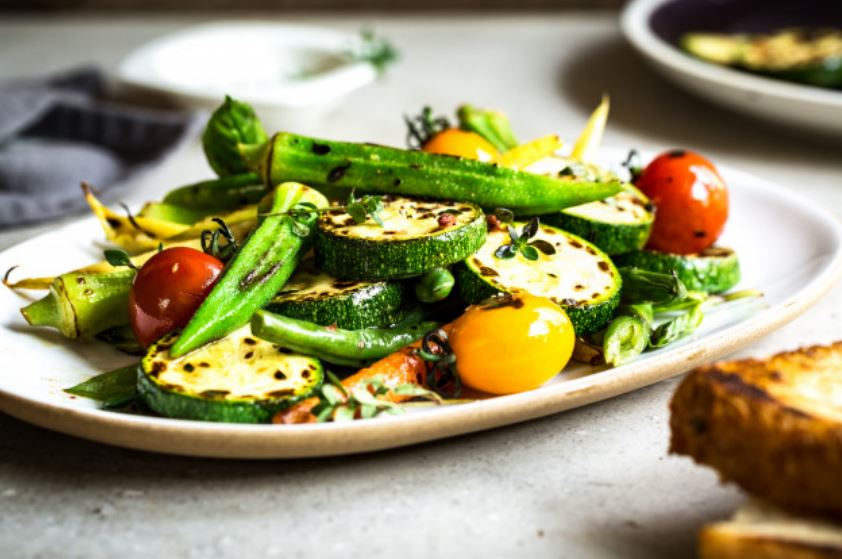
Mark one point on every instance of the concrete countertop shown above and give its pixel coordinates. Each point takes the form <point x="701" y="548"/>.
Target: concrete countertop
<point x="594" y="482"/>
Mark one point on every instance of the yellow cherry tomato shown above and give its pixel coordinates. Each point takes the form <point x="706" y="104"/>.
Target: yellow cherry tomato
<point x="464" y="144"/>
<point x="511" y="344"/>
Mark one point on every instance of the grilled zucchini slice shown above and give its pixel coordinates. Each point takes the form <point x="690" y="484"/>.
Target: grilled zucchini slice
<point x="616" y="225"/>
<point x="714" y="270"/>
<point x="237" y="379"/>
<point x="416" y="236"/>
<point x="318" y="297"/>
<point x="579" y="277"/>
<point x="810" y="56"/>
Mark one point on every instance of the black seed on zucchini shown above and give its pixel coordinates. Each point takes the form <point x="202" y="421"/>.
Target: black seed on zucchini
<point x="576" y="267"/>
<point x="411" y="242"/>
<point x="714" y="270"/>
<point x="225" y="388"/>
<point x="318" y="297"/>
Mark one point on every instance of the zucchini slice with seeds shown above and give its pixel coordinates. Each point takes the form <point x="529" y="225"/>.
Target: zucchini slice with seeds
<point x="616" y="225"/>
<point x="416" y="236"/>
<point x="237" y="379"/>
<point x="318" y="297"/>
<point x="579" y="277"/>
<point x="714" y="270"/>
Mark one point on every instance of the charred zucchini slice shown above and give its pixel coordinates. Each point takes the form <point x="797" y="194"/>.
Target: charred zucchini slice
<point x="237" y="379"/>
<point x="713" y="270"/>
<point x="810" y="56"/>
<point x="579" y="277"/>
<point x="416" y="236"/>
<point x="616" y="225"/>
<point x="318" y="297"/>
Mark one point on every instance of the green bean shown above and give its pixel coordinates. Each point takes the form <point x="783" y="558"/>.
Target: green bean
<point x="643" y="286"/>
<point x="434" y="285"/>
<point x="626" y="338"/>
<point x="227" y="193"/>
<point x="678" y="327"/>
<point x="353" y="348"/>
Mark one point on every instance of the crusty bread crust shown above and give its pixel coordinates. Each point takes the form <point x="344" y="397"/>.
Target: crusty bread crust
<point x="774" y="427"/>
<point x="719" y="542"/>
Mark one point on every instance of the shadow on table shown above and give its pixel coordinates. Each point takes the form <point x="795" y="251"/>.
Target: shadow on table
<point x="644" y="103"/>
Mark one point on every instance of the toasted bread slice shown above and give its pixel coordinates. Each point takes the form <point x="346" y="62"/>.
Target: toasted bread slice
<point x="759" y="531"/>
<point x="772" y="426"/>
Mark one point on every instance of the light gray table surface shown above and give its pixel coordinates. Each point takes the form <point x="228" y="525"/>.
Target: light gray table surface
<point x="593" y="482"/>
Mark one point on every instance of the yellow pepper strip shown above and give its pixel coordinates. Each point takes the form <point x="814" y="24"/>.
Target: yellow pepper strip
<point x="134" y="234"/>
<point x="138" y="233"/>
<point x="589" y="140"/>
<point x="526" y="154"/>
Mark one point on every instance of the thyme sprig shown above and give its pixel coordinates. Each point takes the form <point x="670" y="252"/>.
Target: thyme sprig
<point x="339" y="403"/>
<point x="364" y="207"/>
<point x="442" y="376"/>
<point x="211" y="241"/>
<point x="422" y="127"/>
<point x="519" y="242"/>
<point x="634" y="164"/>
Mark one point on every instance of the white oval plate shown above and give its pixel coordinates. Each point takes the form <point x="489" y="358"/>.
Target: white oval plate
<point x="800" y="106"/>
<point x="789" y="249"/>
<point x="287" y="72"/>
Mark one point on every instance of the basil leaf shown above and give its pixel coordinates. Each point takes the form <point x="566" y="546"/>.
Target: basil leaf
<point x="232" y="124"/>
<point x="544" y="246"/>
<point x="529" y="252"/>
<point x="119" y="385"/>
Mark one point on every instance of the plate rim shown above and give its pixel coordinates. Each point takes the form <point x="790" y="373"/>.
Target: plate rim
<point x="220" y="440"/>
<point x="634" y="22"/>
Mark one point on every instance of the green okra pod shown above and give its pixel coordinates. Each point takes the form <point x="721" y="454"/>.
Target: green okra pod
<point x="378" y="169"/>
<point x="258" y="271"/>
<point x="82" y="305"/>
<point x="223" y="194"/>
<point x="353" y="348"/>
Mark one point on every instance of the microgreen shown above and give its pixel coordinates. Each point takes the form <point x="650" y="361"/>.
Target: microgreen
<point x="634" y="164"/>
<point x="422" y="127"/>
<point x="519" y="242"/>
<point x="362" y="208"/>
<point x="118" y="257"/>
<point x="339" y="403"/>
<point x="375" y="50"/>
<point x="210" y="241"/>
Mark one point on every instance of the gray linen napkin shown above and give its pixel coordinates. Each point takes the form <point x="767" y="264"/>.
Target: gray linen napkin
<point x="57" y="132"/>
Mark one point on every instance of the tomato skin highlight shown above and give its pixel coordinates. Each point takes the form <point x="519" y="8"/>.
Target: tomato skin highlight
<point x="691" y="202"/>
<point x="461" y="143"/>
<point x="167" y="291"/>
<point x="513" y="347"/>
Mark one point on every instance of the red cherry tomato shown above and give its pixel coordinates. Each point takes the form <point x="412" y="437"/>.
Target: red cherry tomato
<point x="168" y="289"/>
<point x="691" y="202"/>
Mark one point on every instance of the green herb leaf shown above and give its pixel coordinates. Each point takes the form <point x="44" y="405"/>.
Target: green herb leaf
<point x="529" y="252"/>
<point x="421" y="128"/>
<point x="232" y="124"/>
<point x="119" y="385"/>
<point x="504" y="215"/>
<point x="361" y="209"/>
<point x="118" y="257"/>
<point x="376" y="51"/>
